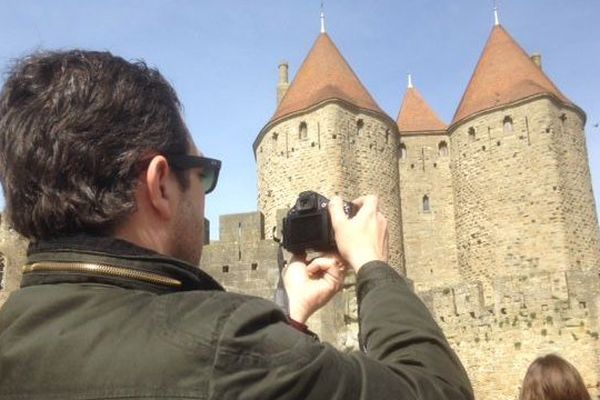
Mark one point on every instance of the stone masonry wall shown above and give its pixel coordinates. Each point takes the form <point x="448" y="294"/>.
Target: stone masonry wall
<point x="242" y="260"/>
<point x="344" y="151"/>
<point x="532" y="315"/>
<point x="13" y="250"/>
<point x="577" y="198"/>
<point x="508" y="189"/>
<point x="429" y="235"/>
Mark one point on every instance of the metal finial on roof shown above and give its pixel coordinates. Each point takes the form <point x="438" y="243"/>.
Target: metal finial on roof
<point x="410" y="85"/>
<point x="322" y="19"/>
<point x="496" y="19"/>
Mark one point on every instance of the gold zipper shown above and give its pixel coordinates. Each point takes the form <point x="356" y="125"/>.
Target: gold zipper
<point x="101" y="269"/>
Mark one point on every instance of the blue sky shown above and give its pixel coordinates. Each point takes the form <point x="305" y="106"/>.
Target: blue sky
<point x="222" y="57"/>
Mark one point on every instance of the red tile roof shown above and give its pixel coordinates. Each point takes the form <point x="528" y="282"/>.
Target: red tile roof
<point x="324" y="75"/>
<point x="504" y="74"/>
<point x="416" y="116"/>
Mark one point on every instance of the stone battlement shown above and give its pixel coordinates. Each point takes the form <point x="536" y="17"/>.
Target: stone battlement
<point x="559" y="299"/>
<point x="242" y="260"/>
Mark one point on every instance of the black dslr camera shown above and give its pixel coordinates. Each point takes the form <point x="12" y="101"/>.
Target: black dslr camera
<point x="307" y="225"/>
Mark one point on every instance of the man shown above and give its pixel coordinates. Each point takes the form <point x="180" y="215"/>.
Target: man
<point x="101" y="174"/>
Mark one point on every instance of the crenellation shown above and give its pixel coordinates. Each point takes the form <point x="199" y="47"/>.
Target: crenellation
<point x="242" y="260"/>
<point x="523" y="326"/>
<point x="517" y="302"/>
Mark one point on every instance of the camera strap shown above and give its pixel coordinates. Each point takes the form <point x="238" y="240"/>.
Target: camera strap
<point x="281" y="297"/>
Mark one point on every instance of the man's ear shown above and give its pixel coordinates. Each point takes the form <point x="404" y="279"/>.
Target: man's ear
<point x="160" y="189"/>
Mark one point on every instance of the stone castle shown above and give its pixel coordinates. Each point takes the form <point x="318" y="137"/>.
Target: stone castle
<point x="492" y="218"/>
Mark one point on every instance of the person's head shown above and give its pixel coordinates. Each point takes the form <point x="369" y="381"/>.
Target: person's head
<point x="81" y="133"/>
<point x="553" y="378"/>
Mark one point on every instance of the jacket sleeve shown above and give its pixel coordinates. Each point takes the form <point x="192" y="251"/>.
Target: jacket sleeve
<point x="405" y="356"/>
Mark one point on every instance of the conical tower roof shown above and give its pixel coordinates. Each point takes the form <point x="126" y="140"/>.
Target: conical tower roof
<point x="416" y="116"/>
<point x="504" y="74"/>
<point x="324" y="75"/>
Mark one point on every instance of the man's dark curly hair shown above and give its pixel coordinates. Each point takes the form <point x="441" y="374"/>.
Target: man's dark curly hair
<point x="75" y="130"/>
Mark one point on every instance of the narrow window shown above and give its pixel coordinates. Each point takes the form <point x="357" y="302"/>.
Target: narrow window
<point x="275" y="135"/>
<point x="239" y="241"/>
<point x="563" y="119"/>
<point x="443" y="149"/>
<point x="225" y="268"/>
<point x="508" y="125"/>
<point x="426" y="205"/>
<point x="387" y="136"/>
<point x="303" y="130"/>
<point x="403" y="152"/>
<point x="1" y="271"/>
<point x="359" y="126"/>
<point x="254" y="266"/>
<point x="472" y="136"/>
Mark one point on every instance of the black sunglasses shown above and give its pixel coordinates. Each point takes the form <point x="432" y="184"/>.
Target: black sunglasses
<point x="210" y="168"/>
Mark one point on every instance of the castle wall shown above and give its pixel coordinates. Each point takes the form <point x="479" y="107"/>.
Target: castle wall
<point x="514" y="195"/>
<point x="242" y="261"/>
<point x="13" y="250"/>
<point x="429" y="234"/>
<point x="344" y="151"/>
<point x="533" y="315"/>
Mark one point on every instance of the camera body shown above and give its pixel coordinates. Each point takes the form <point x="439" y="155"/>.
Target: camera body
<point x="307" y="225"/>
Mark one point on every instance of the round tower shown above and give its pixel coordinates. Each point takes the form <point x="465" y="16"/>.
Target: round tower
<point x="329" y="135"/>
<point x="521" y="179"/>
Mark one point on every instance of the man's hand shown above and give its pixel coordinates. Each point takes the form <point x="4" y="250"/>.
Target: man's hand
<point x="310" y="287"/>
<point x="362" y="238"/>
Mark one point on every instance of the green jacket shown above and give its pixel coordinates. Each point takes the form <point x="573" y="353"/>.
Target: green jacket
<point x="99" y="318"/>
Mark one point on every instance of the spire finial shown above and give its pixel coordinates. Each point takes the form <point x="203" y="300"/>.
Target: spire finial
<point x="322" y="18"/>
<point x="410" y="85"/>
<point x="496" y="19"/>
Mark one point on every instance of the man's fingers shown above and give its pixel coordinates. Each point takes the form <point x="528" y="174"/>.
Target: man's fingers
<point x="313" y="268"/>
<point x="336" y="210"/>
<point x="331" y="266"/>
<point x="360" y="201"/>
<point x="322" y="263"/>
<point x="364" y="204"/>
<point x="369" y="204"/>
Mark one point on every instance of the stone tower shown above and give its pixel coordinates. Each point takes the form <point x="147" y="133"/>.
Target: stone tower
<point x="522" y="185"/>
<point x="426" y="193"/>
<point x="329" y="135"/>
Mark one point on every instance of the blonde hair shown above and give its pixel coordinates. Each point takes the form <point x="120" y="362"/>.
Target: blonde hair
<point x="553" y="378"/>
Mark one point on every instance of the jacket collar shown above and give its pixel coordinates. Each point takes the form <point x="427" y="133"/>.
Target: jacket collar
<point x="105" y="260"/>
